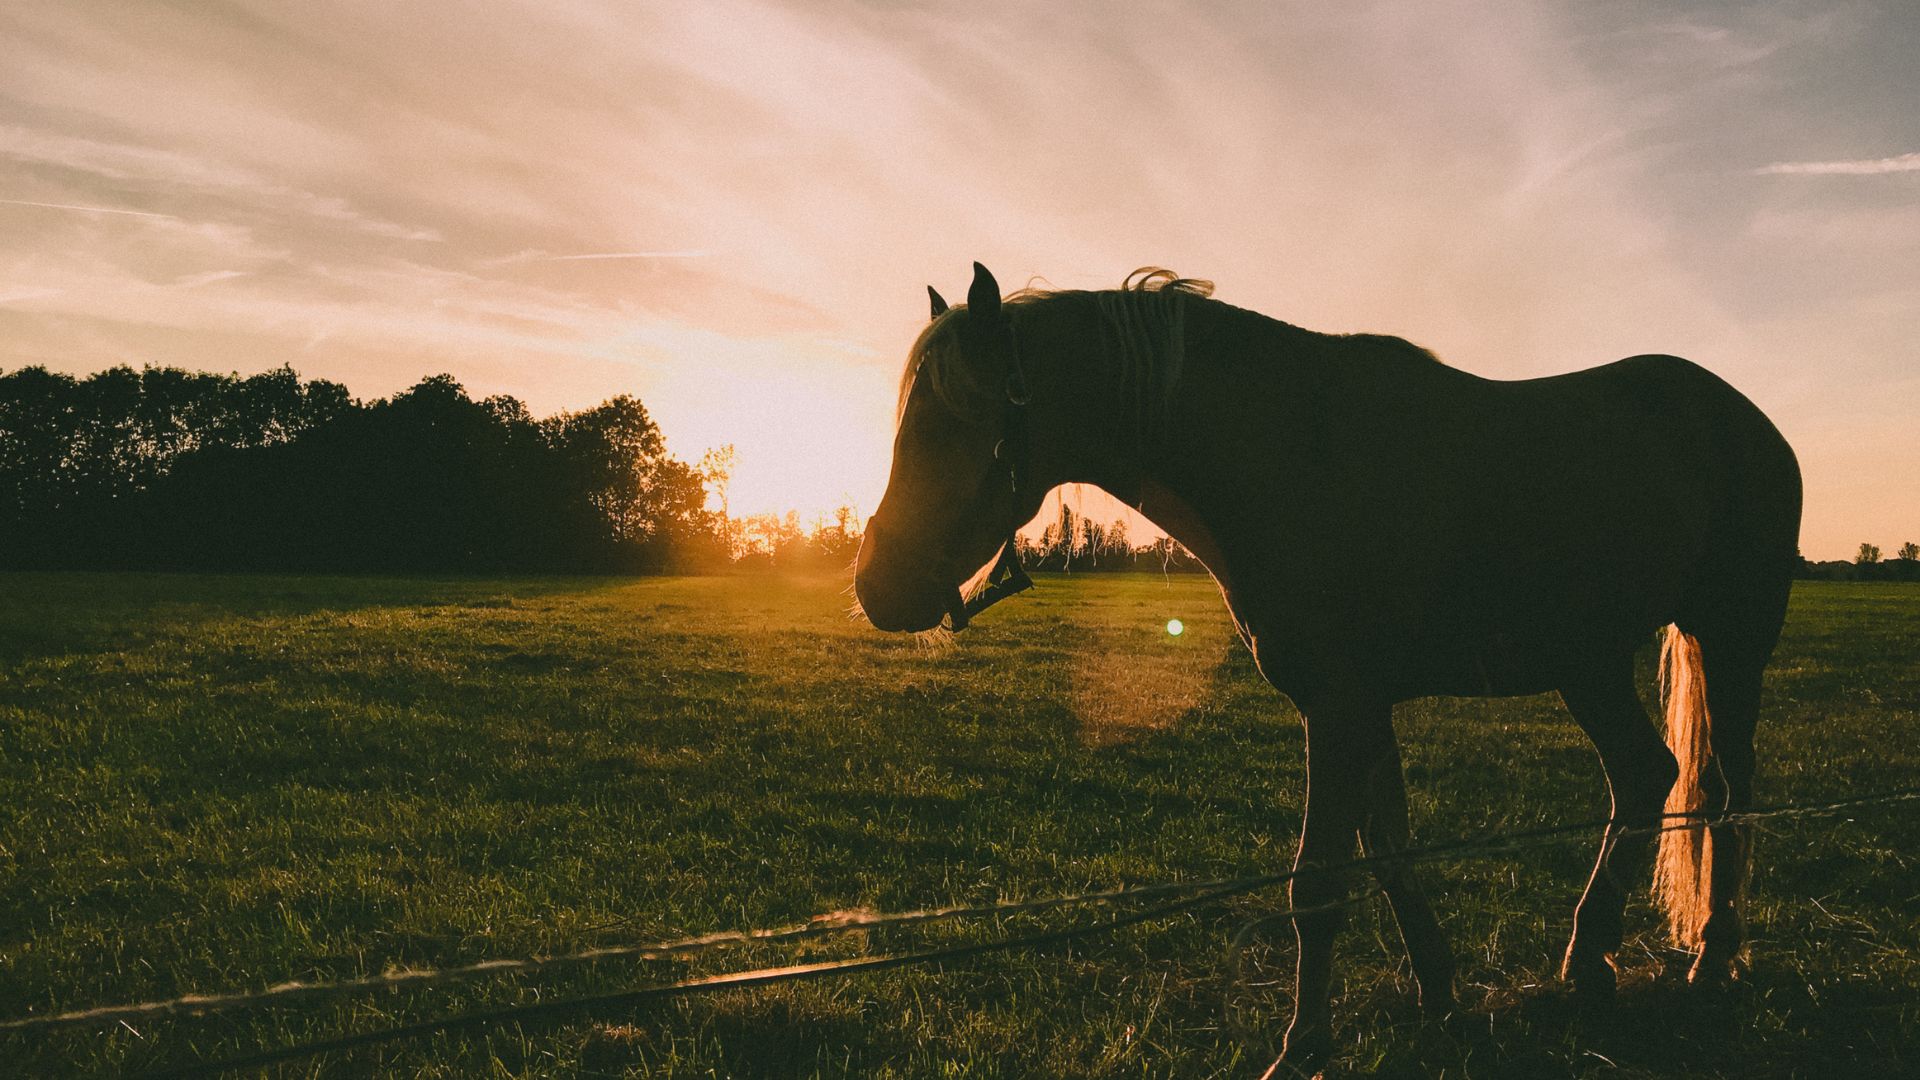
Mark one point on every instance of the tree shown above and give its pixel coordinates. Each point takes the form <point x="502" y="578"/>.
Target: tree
<point x="1909" y="552"/>
<point x="835" y="544"/>
<point x="168" y="468"/>
<point x="772" y="541"/>
<point x="615" y="458"/>
<point x="716" y="471"/>
<point x="1869" y="554"/>
<point x="38" y="421"/>
<point x="81" y="459"/>
<point x="1063" y="537"/>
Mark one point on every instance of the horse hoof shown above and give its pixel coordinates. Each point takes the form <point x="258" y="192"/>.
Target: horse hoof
<point x="1593" y="979"/>
<point x="1717" y="964"/>
<point x="1438" y="1009"/>
<point x="1302" y="1056"/>
<point x="1710" y="976"/>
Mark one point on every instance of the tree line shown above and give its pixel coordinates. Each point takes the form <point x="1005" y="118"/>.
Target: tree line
<point x="1075" y="543"/>
<point x="171" y="469"/>
<point x="1867" y="565"/>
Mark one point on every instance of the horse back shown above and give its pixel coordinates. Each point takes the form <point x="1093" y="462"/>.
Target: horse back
<point x="1476" y="536"/>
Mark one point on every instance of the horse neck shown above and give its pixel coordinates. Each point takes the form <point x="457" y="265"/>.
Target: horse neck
<point x="1087" y="422"/>
<point x="1190" y="472"/>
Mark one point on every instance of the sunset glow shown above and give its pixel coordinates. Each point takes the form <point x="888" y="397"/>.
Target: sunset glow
<point x="731" y="209"/>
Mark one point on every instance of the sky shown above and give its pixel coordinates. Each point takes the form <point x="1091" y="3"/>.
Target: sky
<point x="731" y="209"/>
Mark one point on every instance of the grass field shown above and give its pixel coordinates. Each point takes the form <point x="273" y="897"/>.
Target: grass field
<point x="220" y="783"/>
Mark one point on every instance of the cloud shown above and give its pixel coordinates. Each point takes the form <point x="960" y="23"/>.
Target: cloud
<point x="1851" y="230"/>
<point x="85" y="209"/>
<point x="194" y="281"/>
<point x="8" y="296"/>
<point x="116" y="161"/>
<point x="165" y="171"/>
<point x="542" y="256"/>
<point x="1862" y="167"/>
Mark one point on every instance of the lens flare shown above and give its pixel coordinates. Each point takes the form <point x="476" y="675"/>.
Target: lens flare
<point x="1176" y="627"/>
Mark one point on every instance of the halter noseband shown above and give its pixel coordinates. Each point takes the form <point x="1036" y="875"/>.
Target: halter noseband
<point x="1008" y="577"/>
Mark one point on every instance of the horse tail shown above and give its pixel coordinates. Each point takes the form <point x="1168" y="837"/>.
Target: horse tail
<point x="1680" y="880"/>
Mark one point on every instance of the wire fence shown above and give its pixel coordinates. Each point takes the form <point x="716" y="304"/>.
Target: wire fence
<point x="1175" y="897"/>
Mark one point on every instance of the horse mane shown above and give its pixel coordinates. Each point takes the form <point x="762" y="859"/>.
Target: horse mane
<point x="1141" y="323"/>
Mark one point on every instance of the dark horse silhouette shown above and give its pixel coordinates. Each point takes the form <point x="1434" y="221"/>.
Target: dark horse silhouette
<point x="1517" y="537"/>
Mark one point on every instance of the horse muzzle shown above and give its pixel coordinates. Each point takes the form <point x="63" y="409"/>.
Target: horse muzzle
<point x="897" y="596"/>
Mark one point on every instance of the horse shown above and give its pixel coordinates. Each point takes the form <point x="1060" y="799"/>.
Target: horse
<point x="1517" y="537"/>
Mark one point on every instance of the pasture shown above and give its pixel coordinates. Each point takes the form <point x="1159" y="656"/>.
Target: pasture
<point x="221" y="782"/>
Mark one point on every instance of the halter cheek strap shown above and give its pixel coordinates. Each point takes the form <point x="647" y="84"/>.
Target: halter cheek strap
<point x="1008" y="577"/>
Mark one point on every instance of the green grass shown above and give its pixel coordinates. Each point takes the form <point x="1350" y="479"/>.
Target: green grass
<point x="220" y="783"/>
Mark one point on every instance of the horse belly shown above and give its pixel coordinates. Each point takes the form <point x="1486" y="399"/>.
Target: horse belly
<point x="1498" y="663"/>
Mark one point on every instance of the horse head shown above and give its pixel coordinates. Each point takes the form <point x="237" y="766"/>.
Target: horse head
<point x="958" y="489"/>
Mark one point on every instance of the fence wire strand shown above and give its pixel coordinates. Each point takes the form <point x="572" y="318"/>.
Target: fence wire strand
<point x="1190" y="895"/>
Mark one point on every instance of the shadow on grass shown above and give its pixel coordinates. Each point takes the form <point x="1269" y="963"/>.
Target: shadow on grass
<point x="769" y="1034"/>
<point x="1763" y="1026"/>
<point x="48" y="614"/>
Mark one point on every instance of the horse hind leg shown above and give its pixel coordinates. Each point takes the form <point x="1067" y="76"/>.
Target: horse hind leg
<point x="1727" y="626"/>
<point x="1640" y="771"/>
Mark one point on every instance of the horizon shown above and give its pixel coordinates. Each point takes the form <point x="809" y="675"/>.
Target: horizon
<point x="731" y="212"/>
<point x="1083" y="502"/>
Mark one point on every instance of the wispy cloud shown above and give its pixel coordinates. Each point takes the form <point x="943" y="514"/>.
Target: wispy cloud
<point x="542" y="256"/>
<point x="116" y="161"/>
<point x="194" y="281"/>
<point x="1861" y="167"/>
<point x="8" y="296"/>
<point x="695" y="254"/>
<point x="170" y="171"/>
<point x="86" y="209"/>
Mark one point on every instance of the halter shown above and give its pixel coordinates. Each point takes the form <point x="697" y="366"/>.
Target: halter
<point x="1008" y="577"/>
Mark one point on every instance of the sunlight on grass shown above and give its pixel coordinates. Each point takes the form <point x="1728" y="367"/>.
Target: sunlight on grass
<point x="221" y="782"/>
<point x="1135" y="675"/>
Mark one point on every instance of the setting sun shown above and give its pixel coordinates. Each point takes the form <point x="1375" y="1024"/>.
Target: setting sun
<point x="730" y="210"/>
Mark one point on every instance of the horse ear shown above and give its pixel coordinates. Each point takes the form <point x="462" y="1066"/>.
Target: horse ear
<point x="983" y="298"/>
<point x="939" y="303"/>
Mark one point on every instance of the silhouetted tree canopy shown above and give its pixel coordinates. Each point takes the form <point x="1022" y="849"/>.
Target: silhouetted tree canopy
<point x="1866" y="565"/>
<point x="1075" y="543"/>
<point x="779" y="543"/>
<point x="175" y="469"/>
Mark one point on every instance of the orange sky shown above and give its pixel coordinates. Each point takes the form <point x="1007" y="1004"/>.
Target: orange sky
<point x="731" y="209"/>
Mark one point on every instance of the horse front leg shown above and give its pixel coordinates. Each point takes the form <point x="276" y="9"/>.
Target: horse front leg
<point x="1346" y="743"/>
<point x="1384" y="835"/>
